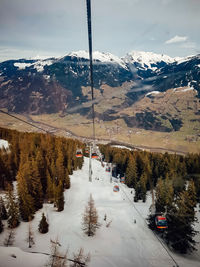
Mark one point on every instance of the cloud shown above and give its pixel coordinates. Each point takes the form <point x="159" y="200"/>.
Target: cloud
<point x="7" y="53"/>
<point x="177" y="39"/>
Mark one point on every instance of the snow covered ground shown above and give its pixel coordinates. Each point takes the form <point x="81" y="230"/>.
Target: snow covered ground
<point x="124" y="243"/>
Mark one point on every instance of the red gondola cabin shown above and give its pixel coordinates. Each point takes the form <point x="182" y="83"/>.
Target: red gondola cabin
<point x="79" y="153"/>
<point x="116" y="188"/>
<point x="161" y="222"/>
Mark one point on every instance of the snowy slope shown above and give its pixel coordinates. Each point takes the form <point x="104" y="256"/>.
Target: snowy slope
<point x="123" y="244"/>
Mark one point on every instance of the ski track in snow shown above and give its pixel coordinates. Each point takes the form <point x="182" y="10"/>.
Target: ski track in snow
<point x="122" y="244"/>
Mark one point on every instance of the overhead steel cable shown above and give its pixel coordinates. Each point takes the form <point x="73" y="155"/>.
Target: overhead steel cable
<point x="89" y="22"/>
<point x="39" y="128"/>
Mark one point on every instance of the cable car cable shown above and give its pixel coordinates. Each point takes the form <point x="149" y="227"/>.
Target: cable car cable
<point x="89" y="22"/>
<point x="39" y="128"/>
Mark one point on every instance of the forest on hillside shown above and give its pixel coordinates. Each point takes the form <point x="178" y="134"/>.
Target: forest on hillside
<point x="41" y="165"/>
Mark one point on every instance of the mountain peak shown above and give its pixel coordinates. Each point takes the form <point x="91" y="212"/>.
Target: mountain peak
<point x="146" y="59"/>
<point x="99" y="56"/>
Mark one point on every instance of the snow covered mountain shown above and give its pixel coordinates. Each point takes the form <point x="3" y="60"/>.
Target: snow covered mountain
<point x="54" y="84"/>
<point x="99" y="56"/>
<point x="149" y="60"/>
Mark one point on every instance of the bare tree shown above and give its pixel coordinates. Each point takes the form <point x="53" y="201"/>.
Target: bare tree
<point x="90" y="218"/>
<point x="9" y="240"/>
<point x="56" y="258"/>
<point x="30" y="236"/>
<point x="80" y="259"/>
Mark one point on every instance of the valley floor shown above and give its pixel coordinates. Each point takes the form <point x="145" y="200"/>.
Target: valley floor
<point x="123" y="244"/>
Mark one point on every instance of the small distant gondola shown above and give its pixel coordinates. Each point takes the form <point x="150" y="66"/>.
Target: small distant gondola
<point x="116" y="188"/>
<point x="122" y="180"/>
<point x="79" y="153"/>
<point x="94" y="155"/>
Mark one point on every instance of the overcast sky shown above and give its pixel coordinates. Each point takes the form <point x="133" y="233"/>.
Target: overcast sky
<point x="41" y="28"/>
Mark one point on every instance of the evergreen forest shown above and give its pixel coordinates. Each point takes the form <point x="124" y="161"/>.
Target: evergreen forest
<point x="41" y="164"/>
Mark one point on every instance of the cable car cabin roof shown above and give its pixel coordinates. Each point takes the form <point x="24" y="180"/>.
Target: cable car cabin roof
<point x="161" y="218"/>
<point x="161" y="222"/>
<point x="79" y="153"/>
<point x="94" y="156"/>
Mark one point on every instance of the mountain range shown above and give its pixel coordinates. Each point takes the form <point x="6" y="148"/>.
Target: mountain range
<point x="62" y="85"/>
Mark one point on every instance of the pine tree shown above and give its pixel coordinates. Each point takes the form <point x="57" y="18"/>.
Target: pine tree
<point x="164" y="195"/>
<point x="41" y="169"/>
<point x="60" y="169"/>
<point x="181" y="221"/>
<point x="67" y="181"/>
<point x="26" y="202"/>
<point x="13" y="209"/>
<point x="35" y="187"/>
<point x="60" y="197"/>
<point x="50" y="188"/>
<point x="131" y="172"/>
<point x="43" y="225"/>
<point x="3" y="212"/>
<point x="90" y="218"/>
<point x="143" y="183"/>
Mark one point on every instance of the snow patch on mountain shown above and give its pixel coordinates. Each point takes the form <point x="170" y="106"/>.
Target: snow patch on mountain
<point x="38" y="65"/>
<point x="153" y="93"/>
<point x="148" y="59"/>
<point x="22" y="66"/>
<point x="184" y="89"/>
<point x="99" y="56"/>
